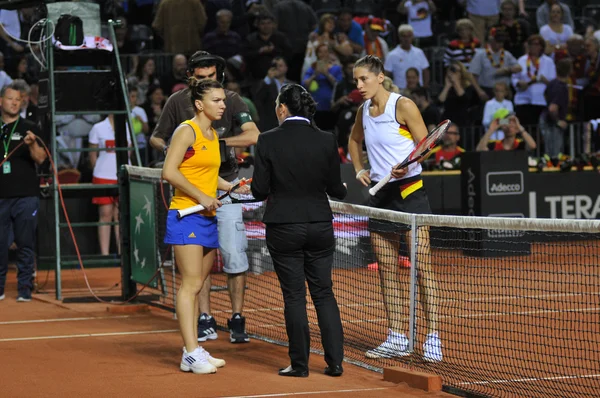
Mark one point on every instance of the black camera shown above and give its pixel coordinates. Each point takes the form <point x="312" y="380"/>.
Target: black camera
<point x="454" y="69"/>
<point x="274" y="64"/>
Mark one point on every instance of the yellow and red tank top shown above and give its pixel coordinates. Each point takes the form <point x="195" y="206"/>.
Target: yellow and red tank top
<point x="200" y="165"/>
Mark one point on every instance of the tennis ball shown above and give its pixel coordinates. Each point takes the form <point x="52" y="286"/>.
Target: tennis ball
<point x="137" y="126"/>
<point x="501" y="113"/>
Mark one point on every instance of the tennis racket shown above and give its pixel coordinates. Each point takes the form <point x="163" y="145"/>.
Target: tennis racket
<point x="228" y="197"/>
<point x="421" y="150"/>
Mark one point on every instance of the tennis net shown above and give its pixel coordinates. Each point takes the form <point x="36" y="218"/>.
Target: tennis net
<point x="517" y="300"/>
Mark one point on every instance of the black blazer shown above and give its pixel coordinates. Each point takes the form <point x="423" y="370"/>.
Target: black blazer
<point x="295" y="167"/>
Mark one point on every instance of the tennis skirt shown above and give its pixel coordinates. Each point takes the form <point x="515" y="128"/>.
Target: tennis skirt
<point x="194" y="229"/>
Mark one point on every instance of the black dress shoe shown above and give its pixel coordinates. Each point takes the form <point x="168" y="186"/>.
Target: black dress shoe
<point x="334" y="371"/>
<point x="291" y="372"/>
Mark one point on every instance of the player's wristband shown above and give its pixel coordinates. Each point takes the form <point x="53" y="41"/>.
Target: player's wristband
<point x="360" y="173"/>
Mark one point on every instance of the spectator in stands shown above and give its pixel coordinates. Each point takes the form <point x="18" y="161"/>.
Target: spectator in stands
<point x="374" y="44"/>
<point x="537" y="71"/>
<point x="542" y="14"/>
<point x="181" y="24"/>
<point x="491" y="65"/>
<point x="319" y="80"/>
<point x="139" y="120"/>
<point x="20" y="68"/>
<point x="458" y="94"/>
<point x="28" y="110"/>
<point x="345" y="25"/>
<point x="412" y="82"/>
<point x="499" y="104"/>
<point x="591" y="91"/>
<point x="267" y="93"/>
<point x="344" y="104"/>
<point x="124" y="42"/>
<point x="222" y="41"/>
<point x="553" y="120"/>
<point x="512" y="129"/>
<point x="143" y="77"/>
<point x="516" y="31"/>
<point x="575" y="50"/>
<point x="325" y="34"/>
<point x="262" y="46"/>
<point x="212" y="8"/>
<point x="484" y="15"/>
<point x="155" y="100"/>
<point x="296" y="19"/>
<point x="104" y="164"/>
<point x="177" y="79"/>
<point x="449" y="148"/>
<point x="10" y="31"/>
<point x="5" y="79"/>
<point x="19" y="191"/>
<point x="463" y="48"/>
<point x="555" y="32"/>
<point x="430" y="113"/>
<point x="405" y="56"/>
<point x="71" y="129"/>
<point x="419" y="14"/>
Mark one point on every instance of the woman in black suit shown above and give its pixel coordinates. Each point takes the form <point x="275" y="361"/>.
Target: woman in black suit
<point x="296" y="167"/>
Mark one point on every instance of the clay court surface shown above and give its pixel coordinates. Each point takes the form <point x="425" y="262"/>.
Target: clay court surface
<point x="51" y="349"/>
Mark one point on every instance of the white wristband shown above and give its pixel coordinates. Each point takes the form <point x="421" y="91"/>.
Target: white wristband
<point x="360" y="173"/>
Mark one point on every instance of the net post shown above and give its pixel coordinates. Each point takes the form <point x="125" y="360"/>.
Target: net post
<point x="128" y="287"/>
<point x="412" y="324"/>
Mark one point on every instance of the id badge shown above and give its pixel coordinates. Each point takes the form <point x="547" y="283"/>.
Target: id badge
<point x="6" y="167"/>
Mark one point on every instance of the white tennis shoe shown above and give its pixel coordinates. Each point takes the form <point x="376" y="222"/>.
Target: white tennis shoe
<point x="197" y="361"/>
<point x="396" y="345"/>
<point x="432" y="349"/>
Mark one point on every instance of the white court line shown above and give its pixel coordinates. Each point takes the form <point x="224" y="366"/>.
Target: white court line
<point x="473" y="299"/>
<point x="287" y="394"/>
<point x="467" y="383"/>
<point x="77" y="336"/>
<point x="66" y="319"/>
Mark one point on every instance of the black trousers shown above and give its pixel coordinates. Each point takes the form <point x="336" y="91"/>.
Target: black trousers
<point x="304" y="252"/>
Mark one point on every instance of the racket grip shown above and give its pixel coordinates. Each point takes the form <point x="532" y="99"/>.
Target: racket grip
<point x="380" y="185"/>
<point x="190" y="210"/>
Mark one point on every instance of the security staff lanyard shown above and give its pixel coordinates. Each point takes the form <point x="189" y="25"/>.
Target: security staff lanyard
<point x="7" y="141"/>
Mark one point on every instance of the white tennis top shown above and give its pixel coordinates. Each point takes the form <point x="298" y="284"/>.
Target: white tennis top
<point x="388" y="142"/>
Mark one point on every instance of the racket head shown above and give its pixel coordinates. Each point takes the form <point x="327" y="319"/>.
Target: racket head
<point x="431" y="141"/>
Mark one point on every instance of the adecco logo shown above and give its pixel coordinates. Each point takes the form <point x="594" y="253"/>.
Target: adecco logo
<point x="504" y="183"/>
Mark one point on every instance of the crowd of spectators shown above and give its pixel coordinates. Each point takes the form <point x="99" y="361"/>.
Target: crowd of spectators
<point x="480" y="63"/>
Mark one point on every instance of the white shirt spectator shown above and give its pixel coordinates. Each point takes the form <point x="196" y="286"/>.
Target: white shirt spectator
<point x="483" y="7"/>
<point x="491" y="107"/>
<point x="534" y="95"/>
<point x="9" y="19"/>
<point x="5" y="80"/>
<point x="103" y="135"/>
<point x="399" y="61"/>
<point x="419" y="17"/>
<point x="556" y="38"/>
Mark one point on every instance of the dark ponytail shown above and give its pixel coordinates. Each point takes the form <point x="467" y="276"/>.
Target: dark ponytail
<point x="199" y="87"/>
<point x="298" y="101"/>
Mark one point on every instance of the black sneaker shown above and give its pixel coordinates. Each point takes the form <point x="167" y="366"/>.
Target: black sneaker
<point x="207" y="328"/>
<point x="237" y="329"/>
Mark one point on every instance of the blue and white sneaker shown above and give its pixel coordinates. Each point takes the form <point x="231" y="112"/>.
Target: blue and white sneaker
<point x="207" y="328"/>
<point x="197" y="362"/>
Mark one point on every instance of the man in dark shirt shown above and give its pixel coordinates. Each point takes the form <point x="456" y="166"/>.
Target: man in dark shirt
<point x="431" y="114"/>
<point x="222" y="41"/>
<point x="19" y="190"/>
<point x="553" y="120"/>
<point x="238" y="130"/>
<point x="264" y="45"/>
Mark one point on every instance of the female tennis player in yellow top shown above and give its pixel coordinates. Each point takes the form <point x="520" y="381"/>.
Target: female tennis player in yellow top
<point x="192" y="167"/>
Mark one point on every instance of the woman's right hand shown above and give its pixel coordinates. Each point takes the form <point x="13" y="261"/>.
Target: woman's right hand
<point x="364" y="177"/>
<point x="209" y="203"/>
